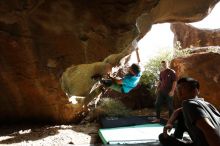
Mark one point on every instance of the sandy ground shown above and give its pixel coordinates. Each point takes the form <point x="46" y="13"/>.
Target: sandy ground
<point x="56" y="135"/>
<point x="47" y="135"/>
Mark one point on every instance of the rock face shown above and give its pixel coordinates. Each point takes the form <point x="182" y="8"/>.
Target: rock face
<point x="41" y="39"/>
<point x="191" y="37"/>
<point x="205" y="68"/>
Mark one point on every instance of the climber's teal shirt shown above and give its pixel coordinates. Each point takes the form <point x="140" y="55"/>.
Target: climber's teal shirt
<point x="129" y="82"/>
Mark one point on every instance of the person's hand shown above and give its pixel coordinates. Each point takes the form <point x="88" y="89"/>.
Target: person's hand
<point x="167" y="129"/>
<point x="171" y="93"/>
<point x="108" y="75"/>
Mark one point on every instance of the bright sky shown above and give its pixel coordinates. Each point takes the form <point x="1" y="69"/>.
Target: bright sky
<point x="161" y="37"/>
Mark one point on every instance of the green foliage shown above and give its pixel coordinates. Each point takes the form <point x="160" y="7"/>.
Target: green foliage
<point x="214" y="49"/>
<point x="113" y="108"/>
<point x="182" y="53"/>
<point x="152" y="67"/>
<point x="178" y="52"/>
<point x="150" y="75"/>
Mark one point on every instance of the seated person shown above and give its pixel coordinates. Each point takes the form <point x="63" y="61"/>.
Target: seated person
<point x="127" y="83"/>
<point x="202" y="120"/>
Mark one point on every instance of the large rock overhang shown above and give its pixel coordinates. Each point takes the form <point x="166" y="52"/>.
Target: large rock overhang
<point x="41" y="39"/>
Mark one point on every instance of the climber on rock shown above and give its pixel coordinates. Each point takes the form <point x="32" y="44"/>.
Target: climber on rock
<point x="125" y="84"/>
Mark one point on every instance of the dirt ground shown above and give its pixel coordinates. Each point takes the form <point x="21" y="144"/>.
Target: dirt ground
<point x="47" y="135"/>
<point x="53" y="135"/>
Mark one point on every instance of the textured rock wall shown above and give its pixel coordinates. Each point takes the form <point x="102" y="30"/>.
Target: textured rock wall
<point x="205" y="68"/>
<point x="41" y="39"/>
<point x="191" y="37"/>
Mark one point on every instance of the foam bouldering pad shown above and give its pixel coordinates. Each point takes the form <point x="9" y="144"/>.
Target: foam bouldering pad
<point x="113" y="122"/>
<point x="146" y="133"/>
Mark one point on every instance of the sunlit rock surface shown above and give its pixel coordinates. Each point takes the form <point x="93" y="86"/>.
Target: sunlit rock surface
<point x="205" y="68"/>
<point x="191" y="37"/>
<point x="41" y="39"/>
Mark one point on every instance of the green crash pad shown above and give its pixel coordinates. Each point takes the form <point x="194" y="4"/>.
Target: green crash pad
<point x="131" y="134"/>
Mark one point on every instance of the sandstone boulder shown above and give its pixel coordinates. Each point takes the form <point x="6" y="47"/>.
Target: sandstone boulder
<point x="192" y="37"/>
<point x="205" y="68"/>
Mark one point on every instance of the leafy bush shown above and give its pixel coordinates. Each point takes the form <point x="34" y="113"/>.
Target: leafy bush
<point x="113" y="108"/>
<point x="182" y="53"/>
<point x="152" y="68"/>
